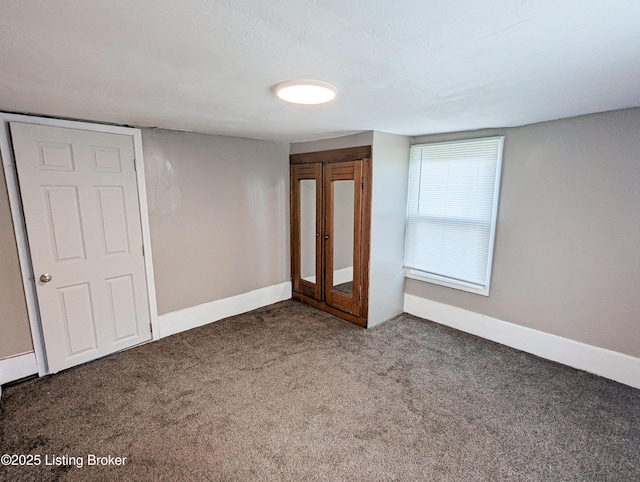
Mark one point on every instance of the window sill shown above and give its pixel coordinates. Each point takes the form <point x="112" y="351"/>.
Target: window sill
<point x="449" y="283"/>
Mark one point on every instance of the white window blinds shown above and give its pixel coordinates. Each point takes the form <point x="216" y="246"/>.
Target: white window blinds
<point x="453" y="200"/>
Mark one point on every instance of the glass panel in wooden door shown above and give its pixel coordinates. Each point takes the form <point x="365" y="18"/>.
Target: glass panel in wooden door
<point x="308" y="231"/>
<point x="343" y="229"/>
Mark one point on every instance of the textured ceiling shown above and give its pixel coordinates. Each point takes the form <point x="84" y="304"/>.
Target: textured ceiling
<point x="407" y="67"/>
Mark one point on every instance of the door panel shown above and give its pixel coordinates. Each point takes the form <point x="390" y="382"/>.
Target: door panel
<point x="123" y="300"/>
<point x="342" y="228"/>
<point x="306" y="225"/>
<point x="54" y="156"/>
<point x="78" y="319"/>
<point x="80" y="202"/>
<point x="62" y="206"/>
<point x="114" y="219"/>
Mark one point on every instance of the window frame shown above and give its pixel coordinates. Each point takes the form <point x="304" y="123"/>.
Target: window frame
<point x="433" y="278"/>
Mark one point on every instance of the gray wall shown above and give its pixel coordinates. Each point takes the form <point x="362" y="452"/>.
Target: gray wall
<point x="567" y="251"/>
<point x="388" y="215"/>
<point x="14" y="324"/>
<point x="219" y="215"/>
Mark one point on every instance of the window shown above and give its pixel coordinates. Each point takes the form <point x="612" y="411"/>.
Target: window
<point x="451" y="216"/>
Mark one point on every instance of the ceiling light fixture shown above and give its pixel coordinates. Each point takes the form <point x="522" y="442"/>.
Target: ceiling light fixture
<point x="307" y="92"/>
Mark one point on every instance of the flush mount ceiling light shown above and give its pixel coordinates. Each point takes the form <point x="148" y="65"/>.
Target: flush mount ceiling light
<point x="308" y="92"/>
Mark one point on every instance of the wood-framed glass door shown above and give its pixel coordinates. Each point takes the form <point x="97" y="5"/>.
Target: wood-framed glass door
<point x="306" y="227"/>
<point x="330" y="230"/>
<point x="342" y="192"/>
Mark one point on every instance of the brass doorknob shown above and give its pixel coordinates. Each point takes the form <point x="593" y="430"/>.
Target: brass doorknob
<point x="45" y="278"/>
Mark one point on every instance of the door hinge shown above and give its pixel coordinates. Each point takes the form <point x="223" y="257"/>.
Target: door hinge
<point x="135" y="168"/>
<point x="143" y="250"/>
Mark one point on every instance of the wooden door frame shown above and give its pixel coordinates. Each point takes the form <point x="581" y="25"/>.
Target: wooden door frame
<point x="17" y="215"/>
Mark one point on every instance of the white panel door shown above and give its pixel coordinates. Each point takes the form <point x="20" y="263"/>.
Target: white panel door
<point x="80" y="201"/>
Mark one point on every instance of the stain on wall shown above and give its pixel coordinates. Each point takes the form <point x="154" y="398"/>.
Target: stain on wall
<point x="164" y="195"/>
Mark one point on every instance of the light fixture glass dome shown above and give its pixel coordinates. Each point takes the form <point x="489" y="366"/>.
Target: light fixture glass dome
<point x="307" y="92"/>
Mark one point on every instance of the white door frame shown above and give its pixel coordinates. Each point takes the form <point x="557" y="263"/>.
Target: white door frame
<point x="17" y="215"/>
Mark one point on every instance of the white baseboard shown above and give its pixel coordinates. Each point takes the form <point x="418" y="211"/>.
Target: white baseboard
<point x="343" y="275"/>
<point x="182" y="320"/>
<point x="17" y="367"/>
<point x="600" y="361"/>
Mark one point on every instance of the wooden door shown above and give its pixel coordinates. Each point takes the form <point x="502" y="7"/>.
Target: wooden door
<point x="80" y="202"/>
<point x="331" y="203"/>
<point x="306" y="226"/>
<point x="342" y="192"/>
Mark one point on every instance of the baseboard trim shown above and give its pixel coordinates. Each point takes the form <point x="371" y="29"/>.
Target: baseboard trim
<point x="599" y="361"/>
<point x="343" y="275"/>
<point x="182" y="320"/>
<point x="17" y="367"/>
<point x="340" y="276"/>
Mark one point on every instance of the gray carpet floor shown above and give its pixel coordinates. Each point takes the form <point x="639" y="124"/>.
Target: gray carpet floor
<point x="287" y="392"/>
